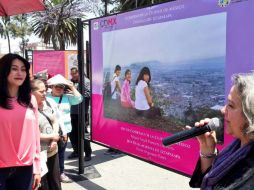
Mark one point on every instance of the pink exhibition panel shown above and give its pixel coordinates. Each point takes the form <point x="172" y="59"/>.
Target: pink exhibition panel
<point x="56" y="62"/>
<point x="191" y="48"/>
<point x="53" y="61"/>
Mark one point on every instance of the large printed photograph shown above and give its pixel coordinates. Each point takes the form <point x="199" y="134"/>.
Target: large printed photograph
<point x="165" y="75"/>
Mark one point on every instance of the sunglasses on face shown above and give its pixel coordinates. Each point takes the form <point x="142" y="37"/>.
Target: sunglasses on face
<point x="59" y="86"/>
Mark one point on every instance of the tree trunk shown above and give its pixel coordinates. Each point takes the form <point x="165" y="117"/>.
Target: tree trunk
<point x="9" y="43"/>
<point x="55" y="46"/>
<point x="61" y="41"/>
<point x="54" y="42"/>
<point x="62" y="44"/>
<point x="23" y="47"/>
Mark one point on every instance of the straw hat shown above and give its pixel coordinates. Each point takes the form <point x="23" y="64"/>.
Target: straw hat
<point x="58" y="79"/>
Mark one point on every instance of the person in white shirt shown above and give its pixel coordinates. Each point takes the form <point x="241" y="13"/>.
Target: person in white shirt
<point x="115" y="101"/>
<point x="115" y="84"/>
<point x="144" y="102"/>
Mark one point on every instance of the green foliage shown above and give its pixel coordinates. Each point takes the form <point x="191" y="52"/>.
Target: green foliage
<point x="177" y="121"/>
<point x="191" y="116"/>
<point x="4" y="29"/>
<point x="126" y="5"/>
<point x="16" y="27"/>
<point x="63" y="30"/>
<point x="133" y="94"/>
<point x="4" y="25"/>
<point x="19" y="28"/>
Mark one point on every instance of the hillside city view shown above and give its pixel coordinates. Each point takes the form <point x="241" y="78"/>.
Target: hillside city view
<point x="182" y="89"/>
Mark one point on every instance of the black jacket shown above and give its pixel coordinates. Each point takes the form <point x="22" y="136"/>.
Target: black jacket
<point x="240" y="177"/>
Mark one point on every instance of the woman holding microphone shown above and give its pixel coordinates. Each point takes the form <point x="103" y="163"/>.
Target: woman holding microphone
<point x="233" y="167"/>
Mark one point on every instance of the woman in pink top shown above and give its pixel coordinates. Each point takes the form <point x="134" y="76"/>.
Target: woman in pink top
<point x="126" y="91"/>
<point x="19" y="131"/>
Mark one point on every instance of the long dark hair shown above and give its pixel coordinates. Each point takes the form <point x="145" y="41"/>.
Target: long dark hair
<point x="24" y="96"/>
<point x="117" y="68"/>
<point x="144" y="70"/>
<point x="126" y="73"/>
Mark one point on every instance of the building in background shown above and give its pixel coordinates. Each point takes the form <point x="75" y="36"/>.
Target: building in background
<point x="39" y="46"/>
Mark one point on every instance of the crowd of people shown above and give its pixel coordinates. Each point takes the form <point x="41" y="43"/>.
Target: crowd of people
<point x="36" y="123"/>
<point x="39" y="115"/>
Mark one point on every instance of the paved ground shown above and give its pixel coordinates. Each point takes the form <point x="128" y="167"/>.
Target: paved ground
<point x="121" y="173"/>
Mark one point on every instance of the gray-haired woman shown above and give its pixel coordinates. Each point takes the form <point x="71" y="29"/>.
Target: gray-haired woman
<point x="49" y="136"/>
<point x="233" y="168"/>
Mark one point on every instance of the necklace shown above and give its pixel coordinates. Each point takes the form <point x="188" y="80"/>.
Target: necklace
<point x="13" y="98"/>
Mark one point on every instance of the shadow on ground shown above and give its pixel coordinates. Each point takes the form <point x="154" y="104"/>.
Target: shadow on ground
<point x="98" y="157"/>
<point x="90" y="171"/>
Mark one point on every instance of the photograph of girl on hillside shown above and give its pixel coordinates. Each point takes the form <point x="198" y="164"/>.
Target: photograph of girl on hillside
<point x="168" y="84"/>
<point x="115" y="84"/>
<point x="144" y="104"/>
<point x="126" y="100"/>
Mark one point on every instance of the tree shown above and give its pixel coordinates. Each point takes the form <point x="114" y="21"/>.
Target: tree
<point x="19" y="28"/>
<point x="4" y="30"/>
<point x="16" y="27"/>
<point x="126" y="5"/>
<point x="58" y="23"/>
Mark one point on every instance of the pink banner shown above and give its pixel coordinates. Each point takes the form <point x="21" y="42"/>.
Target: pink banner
<point x="166" y="46"/>
<point x="53" y="61"/>
<point x="143" y="142"/>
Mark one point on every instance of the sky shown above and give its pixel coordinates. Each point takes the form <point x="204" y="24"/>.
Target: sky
<point x="33" y="38"/>
<point x="15" y="43"/>
<point x="169" y="42"/>
<point x="4" y="45"/>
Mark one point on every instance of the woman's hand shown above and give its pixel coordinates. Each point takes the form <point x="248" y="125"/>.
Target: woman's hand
<point x="70" y="84"/>
<point x="72" y="89"/>
<point x="207" y="140"/>
<point x="52" y="146"/>
<point x="65" y="138"/>
<point x="36" y="181"/>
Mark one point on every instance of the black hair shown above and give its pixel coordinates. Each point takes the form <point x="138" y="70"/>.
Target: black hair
<point x="74" y="69"/>
<point x="117" y="68"/>
<point x="144" y="70"/>
<point x="126" y="72"/>
<point x="24" y="92"/>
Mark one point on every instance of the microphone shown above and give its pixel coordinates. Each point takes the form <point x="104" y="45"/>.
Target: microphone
<point x="195" y="131"/>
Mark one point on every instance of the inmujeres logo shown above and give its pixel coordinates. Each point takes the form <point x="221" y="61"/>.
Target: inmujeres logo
<point x="223" y="3"/>
<point x="105" y="23"/>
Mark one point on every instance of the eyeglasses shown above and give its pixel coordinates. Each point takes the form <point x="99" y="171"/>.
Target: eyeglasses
<point x="59" y="86"/>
